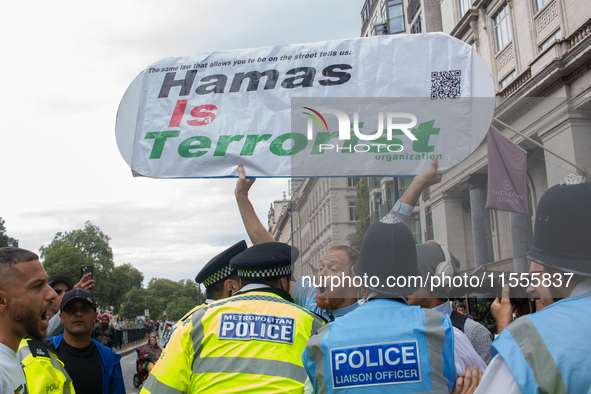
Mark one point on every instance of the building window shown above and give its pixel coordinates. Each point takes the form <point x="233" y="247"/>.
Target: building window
<point x="390" y="195"/>
<point x="502" y="24"/>
<point x="375" y="19"/>
<point x="464" y="6"/>
<point x="380" y="29"/>
<point x="379" y="205"/>
<point x="351" y="211"/>
<point x="395" y="16"/>
<point x="412" y="8"/>
<point x="428" y="224"/>
<point x="551" y="40"/>
<point x="426" y="193"/>
<point x="365" y="12"/>
<point x="352" y="182"/>
<point x="507" y="80"/>
<point x="417" y="27"/>
<point x="539" y="4"/>
<point x="374" y="182"/>
<point x="404" y="183"/>
<point x="414" y="224"/>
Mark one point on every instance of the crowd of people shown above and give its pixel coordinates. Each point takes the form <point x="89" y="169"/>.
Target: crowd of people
<point x="262" y="330"/>
<point x="70" y="359"/>
<point x="381" y="339"/>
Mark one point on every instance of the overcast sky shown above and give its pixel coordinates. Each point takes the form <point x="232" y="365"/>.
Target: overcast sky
<point x="66" y="66"/>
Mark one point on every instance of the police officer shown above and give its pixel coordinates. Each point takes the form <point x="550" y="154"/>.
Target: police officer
<point x="43" y="369"/>
<point x="547" y="351"/>
<point x="249" y="343"/>
<point x="219" y="279"/>
<point x="384" y="344"/>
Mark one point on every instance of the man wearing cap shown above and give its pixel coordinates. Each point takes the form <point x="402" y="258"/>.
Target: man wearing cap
<point x="219" y="279"/>
<point x="433" y="259"/>
<point x="61" y="284"/>
<point x="547" y="351"/>
<point x="93" y="367"/>
<point x="384" y="345"/>
<point x="25" y="298"/>
<point x="105" y="333"/>
<point x="251" y="342"/>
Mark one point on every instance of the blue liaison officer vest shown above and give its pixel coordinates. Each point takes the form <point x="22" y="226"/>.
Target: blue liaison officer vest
<point x="548" y="351"/>
<point x="380" y="347"/>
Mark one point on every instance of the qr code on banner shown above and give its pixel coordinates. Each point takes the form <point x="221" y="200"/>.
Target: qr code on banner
<point x="446" y="84"/>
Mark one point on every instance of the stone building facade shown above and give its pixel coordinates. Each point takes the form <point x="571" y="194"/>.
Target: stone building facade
<point x="539" y="55"/>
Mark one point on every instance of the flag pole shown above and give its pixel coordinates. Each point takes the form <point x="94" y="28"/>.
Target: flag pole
<point x="541" y="146"/>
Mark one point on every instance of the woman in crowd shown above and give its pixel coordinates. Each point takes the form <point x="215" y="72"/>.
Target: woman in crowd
<point x="150" y="353"/>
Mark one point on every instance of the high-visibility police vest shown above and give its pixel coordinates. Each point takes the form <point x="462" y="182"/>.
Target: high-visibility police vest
<point x="383" y="346"/>
<point x="44" y="371"/>
<point x="548" y="351"/>
<point x="248" y="343"/>
<point x="166" y="335"/>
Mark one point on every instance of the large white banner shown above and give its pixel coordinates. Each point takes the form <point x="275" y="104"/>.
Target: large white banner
<point x="371" y="106"/>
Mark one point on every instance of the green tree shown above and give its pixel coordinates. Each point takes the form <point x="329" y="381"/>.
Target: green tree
<point x="133" y="303"/>
<point x="123" y="278"/>
<point x="177" y="308"/>
<point x="176" y="298"/>
<point x="481" y="313"/>
<point x="5" y="240"/>
<point x="67" y="252"/>
<point x="361" y="213"/>
<point x="162" y="291"/>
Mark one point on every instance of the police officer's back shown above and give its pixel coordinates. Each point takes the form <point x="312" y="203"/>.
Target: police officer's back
<point x="249" y="343"/>
<point x="548" y="351"/>
<point x="384" y="345"/>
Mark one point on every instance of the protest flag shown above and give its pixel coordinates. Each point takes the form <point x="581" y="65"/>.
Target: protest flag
<point x="507" y="185"/>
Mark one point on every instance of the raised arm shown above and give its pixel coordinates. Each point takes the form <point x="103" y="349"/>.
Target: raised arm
<point x="421" y="182"/>
<point x="254" y="228"/>
<point x="402" y="210"/>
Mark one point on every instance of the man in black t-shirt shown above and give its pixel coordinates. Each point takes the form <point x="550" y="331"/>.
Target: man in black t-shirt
<point x="93" y="367"/>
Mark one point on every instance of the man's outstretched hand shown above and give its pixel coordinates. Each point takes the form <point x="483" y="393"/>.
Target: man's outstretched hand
<point x="243" y="184"/>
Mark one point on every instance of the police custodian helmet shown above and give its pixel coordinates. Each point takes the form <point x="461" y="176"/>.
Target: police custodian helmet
<point x="562" y="230"/>
<point x="388" y="250"/>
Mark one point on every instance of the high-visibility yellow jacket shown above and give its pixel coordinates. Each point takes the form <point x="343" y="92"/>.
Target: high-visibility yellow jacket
<point x="167" y="335"/>
<point x="44" y="371"/>
<point x="249" y="343"/>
